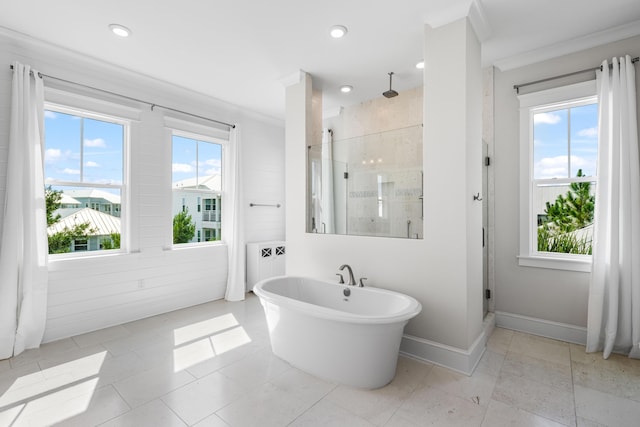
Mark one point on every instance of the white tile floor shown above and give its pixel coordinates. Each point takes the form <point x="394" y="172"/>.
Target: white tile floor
<point x="211" y="365"/>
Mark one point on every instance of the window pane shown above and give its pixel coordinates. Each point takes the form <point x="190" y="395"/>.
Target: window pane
<point x="82" y="219"/>
<point x="563" y="217"/>
<point x="184" y="161"/>
<point x="83" y="150"/>
<point x="62" y="140"/>
<point x="584" y="139"/>
<point x="102" y="152"/>
<point x="209" y="163"/>
<point x="197" y="185"/>
<point x="550" y="145"/>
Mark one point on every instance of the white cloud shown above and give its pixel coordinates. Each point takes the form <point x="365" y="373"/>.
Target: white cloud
<point x="211" y="166"/>
<point x="69" y="171"/>
<point x="557" y="167"/>
<point x="54" y="155"/>
<point x="91" y="164"/>
<point x="50" y="114"/>
<point x="589" y="132"/>
<point x="546" y="118"/>
<point x="181" y="167"/>
<point x="96" y="143"/>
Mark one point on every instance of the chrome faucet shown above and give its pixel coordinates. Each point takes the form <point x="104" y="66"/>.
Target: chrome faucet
<point x="352" y="280"/>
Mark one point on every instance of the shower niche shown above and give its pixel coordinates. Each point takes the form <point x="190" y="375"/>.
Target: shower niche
<point x="367" y="185"/>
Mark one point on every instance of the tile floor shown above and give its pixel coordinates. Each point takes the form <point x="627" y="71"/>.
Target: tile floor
<point x="211" y="365"/>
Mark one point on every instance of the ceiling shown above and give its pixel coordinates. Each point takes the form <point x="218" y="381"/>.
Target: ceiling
<point x="240" y="51"/>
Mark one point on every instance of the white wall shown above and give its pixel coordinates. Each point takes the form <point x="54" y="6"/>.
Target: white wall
<point x="550" y="295"/>
<point x="263" y="174"/>
<point x="95" y="292"/>
<point x="443" y="271"/>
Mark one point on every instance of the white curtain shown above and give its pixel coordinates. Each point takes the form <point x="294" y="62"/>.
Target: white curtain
<point x="233" y="219"/>
<point x="24" y="248"/>
<point x="326" y="202"/>
<point x="614" y="294"/>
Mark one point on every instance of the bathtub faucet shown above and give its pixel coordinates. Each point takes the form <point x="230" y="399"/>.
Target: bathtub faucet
<point x="352" y="280"/>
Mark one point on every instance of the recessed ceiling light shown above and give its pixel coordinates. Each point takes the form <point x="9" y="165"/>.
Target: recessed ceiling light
<point x="338" y="31"/>
<point x="420" y="65"/>
<point x="346" y="88"/>
<point x="119" y="30"/>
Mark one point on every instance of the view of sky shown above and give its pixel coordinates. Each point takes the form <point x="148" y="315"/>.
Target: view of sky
<point x="192" y="158"/>
<point x="80" y="149"/>
<point x="560" y="133"/>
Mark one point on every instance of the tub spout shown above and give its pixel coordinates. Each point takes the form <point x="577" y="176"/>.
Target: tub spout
<point x="352" y="280"/>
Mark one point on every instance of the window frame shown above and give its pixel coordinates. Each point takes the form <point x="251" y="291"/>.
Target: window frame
<point x="530" y="104"/>
<point x="66" y="102"/>
<point x="202" y="133"/>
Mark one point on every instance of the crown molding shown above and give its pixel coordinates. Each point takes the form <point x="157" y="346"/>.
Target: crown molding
<point x="478" y="19"/>
<point x="455" y="11"/>
<point x="599" y="38"/>
<point x="293" y="78"/>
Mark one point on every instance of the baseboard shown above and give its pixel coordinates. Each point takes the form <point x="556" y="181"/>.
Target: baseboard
<point x="544" y="328"/>
<point x="463" y="361"/>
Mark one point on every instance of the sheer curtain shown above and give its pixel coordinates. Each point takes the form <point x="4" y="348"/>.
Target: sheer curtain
<point x="233" y="219"/>
<point x="23" y="248"/>
<point x="614" y="294"/>
<point x="328" y="212"/>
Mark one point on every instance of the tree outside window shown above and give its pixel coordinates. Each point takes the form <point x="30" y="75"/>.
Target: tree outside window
<point x="564" y="174"/>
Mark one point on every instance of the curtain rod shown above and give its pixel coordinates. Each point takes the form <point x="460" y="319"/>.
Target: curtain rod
<point x="153" y="105"/>
<point x="517" y="87"/>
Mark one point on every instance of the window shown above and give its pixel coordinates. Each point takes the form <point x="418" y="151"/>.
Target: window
<point x="196" y="187"/>
<point x="84" y="177"/>
<point x="559" y="148"/>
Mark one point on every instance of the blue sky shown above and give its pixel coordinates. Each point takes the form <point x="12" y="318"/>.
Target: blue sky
<point x="192" y="157"/>
<point x="551" y="147"/>
<point x="82" y="149"/>
<point x="91" y="151"/>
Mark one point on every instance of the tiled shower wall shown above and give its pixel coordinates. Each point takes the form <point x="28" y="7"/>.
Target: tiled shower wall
<point x="379" y="142"/>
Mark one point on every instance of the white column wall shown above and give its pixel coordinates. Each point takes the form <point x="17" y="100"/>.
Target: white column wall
<point x="443" y="271"/>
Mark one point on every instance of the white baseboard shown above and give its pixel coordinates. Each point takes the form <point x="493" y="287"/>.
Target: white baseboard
<point x="463" y="361"/>
<point x="544" y="328"/>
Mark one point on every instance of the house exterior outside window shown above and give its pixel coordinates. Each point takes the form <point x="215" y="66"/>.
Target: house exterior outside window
<point x="197" y="184"/>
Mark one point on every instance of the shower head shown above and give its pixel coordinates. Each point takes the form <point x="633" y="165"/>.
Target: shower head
<point x="390" y="93"/>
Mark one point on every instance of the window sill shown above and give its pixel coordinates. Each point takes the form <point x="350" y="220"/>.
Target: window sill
<point x="581" y="264"/>
<point x="67" y="256"/>
<point x="195" y="245"/>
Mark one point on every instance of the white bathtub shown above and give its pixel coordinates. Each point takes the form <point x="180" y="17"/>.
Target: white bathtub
<point x="351" y="340"/>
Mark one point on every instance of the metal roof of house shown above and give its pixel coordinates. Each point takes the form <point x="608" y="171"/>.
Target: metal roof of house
<point x="209" y="182"/>
<point x="68" y="200"/>
<point x="102" y="224"/>
<point x="93" y="194"/>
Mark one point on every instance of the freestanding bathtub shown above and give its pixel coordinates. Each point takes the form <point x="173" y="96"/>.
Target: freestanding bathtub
<point x="347" y="334"/>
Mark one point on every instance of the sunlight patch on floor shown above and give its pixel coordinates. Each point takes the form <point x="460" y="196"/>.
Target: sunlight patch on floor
<point x="186" y="356"/>
<point x="58" y="406"/>
<point x="47" y="380"/>
<point x="52" y="395"/>
<point x="204" y="329"/>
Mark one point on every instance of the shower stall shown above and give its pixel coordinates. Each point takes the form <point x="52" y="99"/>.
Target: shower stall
<point x="369" y="185"/>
